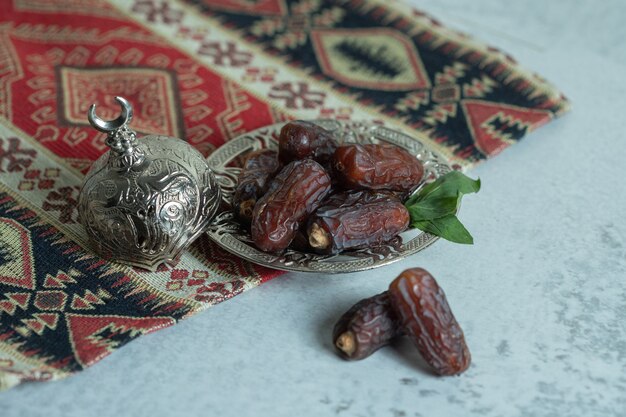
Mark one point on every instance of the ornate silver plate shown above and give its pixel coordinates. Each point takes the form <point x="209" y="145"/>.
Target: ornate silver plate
<point x="226" y="231"/>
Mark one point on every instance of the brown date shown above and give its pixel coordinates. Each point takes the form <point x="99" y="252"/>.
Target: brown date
<point x="377" y="167"/>
<point x="353" y="197"/>
<point x="254" y="179"/>
<point x="300" y="241"/>
<point x="300" y="140"/>
<point x="354" y="220"/>
<point x="426" y="318"/>
<point x="293" y="195"/>
<point x="369" y="325"/>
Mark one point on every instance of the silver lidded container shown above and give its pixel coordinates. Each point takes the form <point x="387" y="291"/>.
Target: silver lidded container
<point x="145" y="200"/>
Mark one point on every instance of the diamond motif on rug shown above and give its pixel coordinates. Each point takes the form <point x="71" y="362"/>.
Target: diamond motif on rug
<point x="494" y="126"/>
<point x="16" y="262"/>
<point x="377" y="58"/>
<point x="94" y="337"/>
<point x="156" y="108"/>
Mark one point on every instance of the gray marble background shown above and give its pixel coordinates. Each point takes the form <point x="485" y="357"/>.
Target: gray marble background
<point x="541" y="295"/>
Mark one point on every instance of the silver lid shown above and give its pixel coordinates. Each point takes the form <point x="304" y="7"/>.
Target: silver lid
<point x="145" y="200"/>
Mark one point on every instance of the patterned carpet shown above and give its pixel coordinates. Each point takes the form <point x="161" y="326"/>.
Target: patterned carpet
<point x="206" y="71"/>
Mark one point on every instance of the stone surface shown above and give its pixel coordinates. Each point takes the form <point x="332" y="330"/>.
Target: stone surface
<point x="541" y="295"/>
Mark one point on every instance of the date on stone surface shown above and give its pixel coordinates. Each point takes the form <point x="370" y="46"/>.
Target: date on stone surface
<point x="369" y="325"/>
<point x="426" y="318"/>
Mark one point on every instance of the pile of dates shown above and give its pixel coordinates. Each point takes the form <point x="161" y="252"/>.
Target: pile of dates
<point x="316" y="195"/>
<point x="414" y="306"/>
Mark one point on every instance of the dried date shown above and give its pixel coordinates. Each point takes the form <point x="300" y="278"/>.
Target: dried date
<point x="369" y="325"/>
<point x="253" y="181"/>
<point x="293" y="195"/>
<point x="300" y="241"/>
<point x="300" y="140"/>
<point x="355" y="220"/>
<point x="377" y="167"/>
<point x="426" y="318"/>
<point x="354" y="197"/>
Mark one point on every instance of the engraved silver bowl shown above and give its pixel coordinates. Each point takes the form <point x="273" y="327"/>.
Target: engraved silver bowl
<point x="226" y="231"/>
<point x="146" y="199"/>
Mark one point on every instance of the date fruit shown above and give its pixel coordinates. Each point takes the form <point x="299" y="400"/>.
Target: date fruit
<point x="426" y="318"/>
<point x="377" y="167"/>
<point x="300" y="241"/>
<point x="300" y="140"/>
<point x="354" y="220"/>
<point x="254" y="179"/>
<point x="369" y="325"/>
<point x="293" y="195"/>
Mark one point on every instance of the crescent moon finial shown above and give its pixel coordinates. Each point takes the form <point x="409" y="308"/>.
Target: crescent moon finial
<point x="107" y="126"/>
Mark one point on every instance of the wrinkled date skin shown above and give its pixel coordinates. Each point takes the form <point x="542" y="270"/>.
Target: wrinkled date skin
<point x="300" y="242"/>
<point x="354" y="197"/>
<point x="293" y="195"/>
<point x="377" y="167"/>
<point x="300" y="140"/>
<point x="369" y="325"/>
<point x="354" y="220"/>
<point x="426" y="318"/>
<point x="254" y="179"/>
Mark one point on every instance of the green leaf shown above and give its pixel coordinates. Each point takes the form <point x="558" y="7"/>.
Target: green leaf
<point x="432" y="208"/>
<point x="448" y="185"/>
<point x="448" y="227"/>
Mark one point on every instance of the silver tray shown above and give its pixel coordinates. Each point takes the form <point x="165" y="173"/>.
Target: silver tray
<point x="226" y="231"/>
